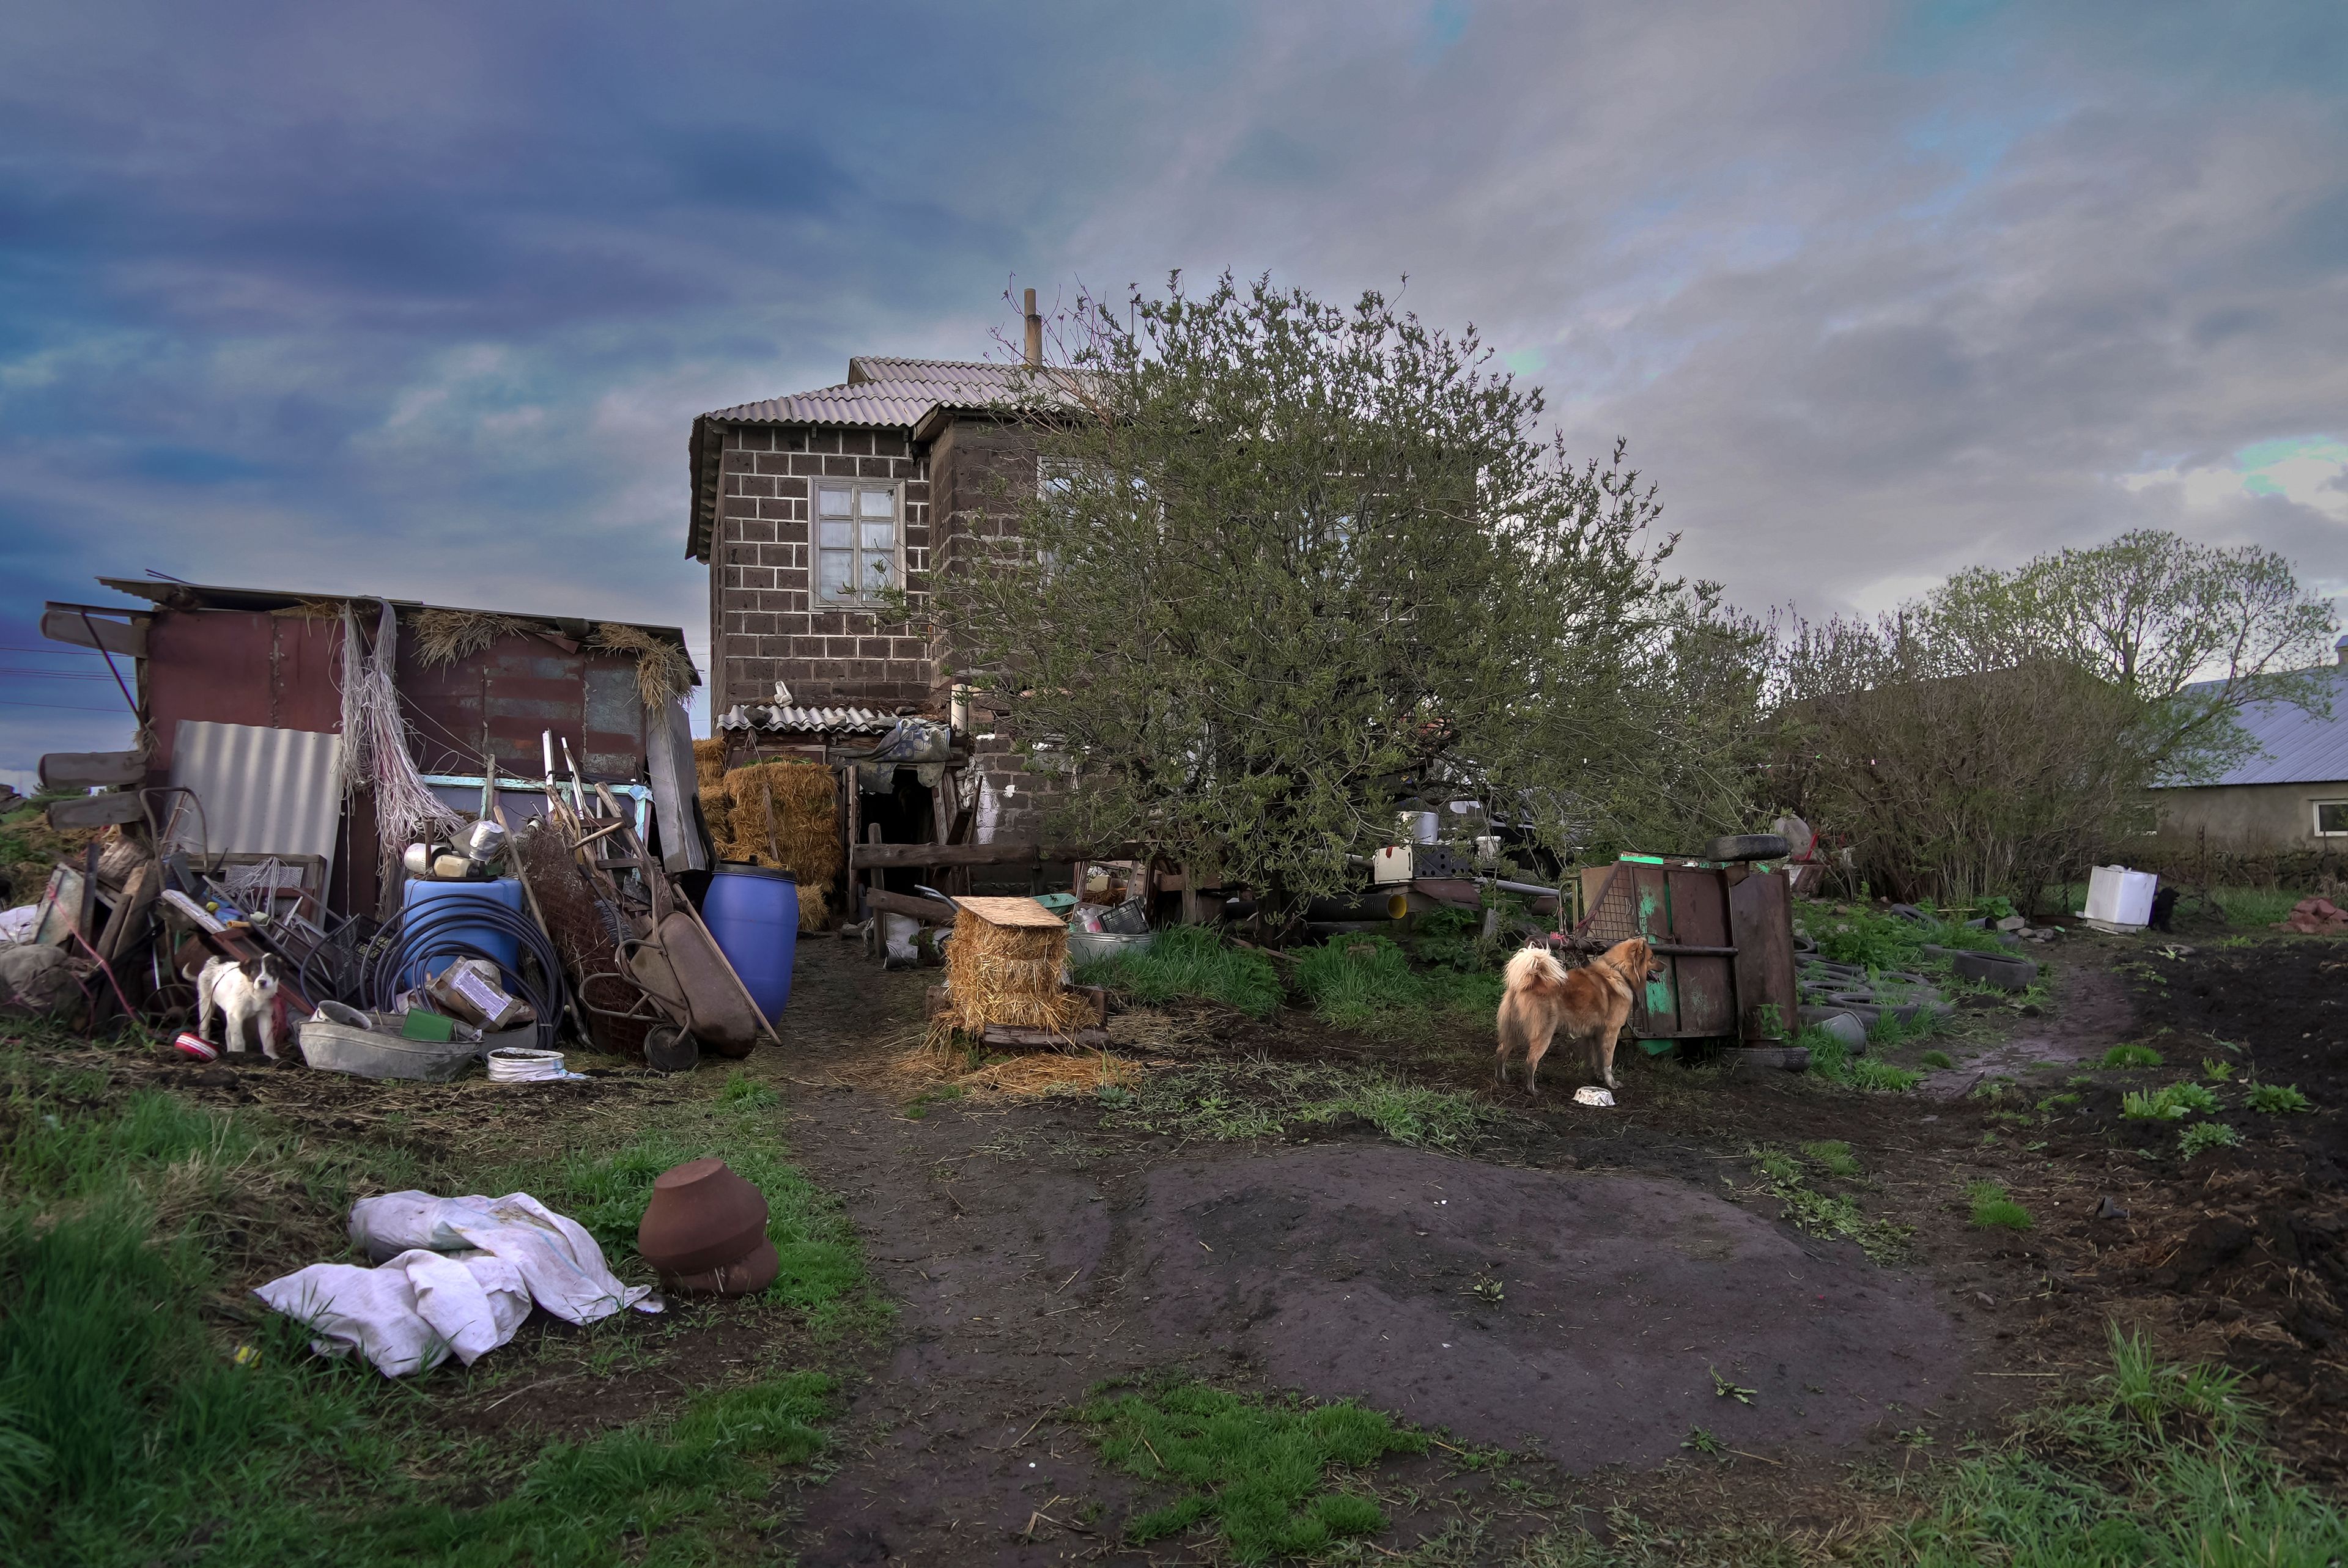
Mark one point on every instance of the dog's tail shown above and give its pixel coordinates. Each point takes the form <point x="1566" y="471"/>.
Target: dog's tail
<point x="1534" y="968"/>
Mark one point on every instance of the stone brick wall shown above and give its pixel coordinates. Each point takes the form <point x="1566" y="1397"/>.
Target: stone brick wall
<point x="765" y="625"/>
<point x="975" y="465"/>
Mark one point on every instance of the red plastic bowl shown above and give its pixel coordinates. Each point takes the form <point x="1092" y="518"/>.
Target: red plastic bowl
<point x="195" y="1045"/>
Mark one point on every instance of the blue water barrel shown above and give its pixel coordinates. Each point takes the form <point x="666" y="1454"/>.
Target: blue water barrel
<point x="505" y="890"/>
<point x="753" y="913"/>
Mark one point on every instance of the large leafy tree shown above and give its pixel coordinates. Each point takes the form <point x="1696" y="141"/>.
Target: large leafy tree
<point x="1288" y="561"/>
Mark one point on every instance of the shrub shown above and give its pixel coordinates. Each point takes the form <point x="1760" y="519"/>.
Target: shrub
<point x="2121" y="1056"/>
<point x="2207" y="1135"/>
<point x="1992" y="1210"/>
<point x="2277" y="1099"/>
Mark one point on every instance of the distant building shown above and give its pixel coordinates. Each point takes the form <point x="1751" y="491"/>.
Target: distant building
<point x="2294" y="795"/>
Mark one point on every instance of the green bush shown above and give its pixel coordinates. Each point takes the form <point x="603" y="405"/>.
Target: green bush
<point x="2122" y="1056"/>
<point x="1191" y="961"/>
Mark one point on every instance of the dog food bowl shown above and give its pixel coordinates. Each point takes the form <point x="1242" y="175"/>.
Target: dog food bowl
<point x="190" y="1044"/>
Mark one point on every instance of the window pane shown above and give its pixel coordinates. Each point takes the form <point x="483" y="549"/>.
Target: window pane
<point x="2332" y="816"/>
<point x="838" y="536"/>
<point x="879" y="572"/>
<point x="880" y="536"/>
<point x="831" y="503"/>
<point x="835" y="569"/>
<point x="876" y="502"/>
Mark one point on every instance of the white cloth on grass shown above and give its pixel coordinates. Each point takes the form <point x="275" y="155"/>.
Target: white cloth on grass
<point x="459" y="1277"/>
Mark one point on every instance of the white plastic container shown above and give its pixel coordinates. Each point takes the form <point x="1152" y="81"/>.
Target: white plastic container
<point x="1392" y="864"/>
<point x="2121" y="896"/>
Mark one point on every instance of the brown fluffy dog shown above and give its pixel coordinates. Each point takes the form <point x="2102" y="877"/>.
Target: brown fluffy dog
<point x="1591" y="1004"/>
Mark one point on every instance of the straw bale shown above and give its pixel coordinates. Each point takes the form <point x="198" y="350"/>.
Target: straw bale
<point x="663" y="669"/>
<point x="784" y="814"/>
<point x="708" y="762"/>
<point x="1010" y="975"/>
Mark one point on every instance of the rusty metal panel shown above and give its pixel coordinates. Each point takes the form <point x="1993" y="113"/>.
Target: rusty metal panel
<point x="235" y="667"/>
<point x="1705" y="987"/>
<point x="1761" y="916"/>
<point x="612" y="719"/>
<point x="1657" y="1015"/>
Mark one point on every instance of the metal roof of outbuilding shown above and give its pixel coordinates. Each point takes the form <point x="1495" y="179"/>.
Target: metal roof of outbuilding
<point x="2299" y="747"/>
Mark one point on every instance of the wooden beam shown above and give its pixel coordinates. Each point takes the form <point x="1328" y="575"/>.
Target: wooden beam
<point x="96" y="811"/>
<point x="63" y="623"/>
<point x="928" y="909"/>
<point x="77" y="770"/>
<point x="1002" y="853"/>
<point x="1003" y="1034"/>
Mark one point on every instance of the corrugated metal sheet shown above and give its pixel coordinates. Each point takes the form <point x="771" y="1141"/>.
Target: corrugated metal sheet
<point x="808" y="721"/>
<point x="264" y="792"/>
<point x="2300" y="747"/>
<point x="894" y="392"/>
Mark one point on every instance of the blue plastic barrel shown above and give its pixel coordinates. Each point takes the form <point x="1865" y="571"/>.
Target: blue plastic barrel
<point x="753" y="913"/>
<point x="505" y="890"/>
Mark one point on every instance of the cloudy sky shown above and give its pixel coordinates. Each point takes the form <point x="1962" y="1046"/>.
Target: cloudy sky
<point x="421" y="299"/>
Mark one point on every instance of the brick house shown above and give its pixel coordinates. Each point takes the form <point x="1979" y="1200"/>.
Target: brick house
<point x="808" y="507"/>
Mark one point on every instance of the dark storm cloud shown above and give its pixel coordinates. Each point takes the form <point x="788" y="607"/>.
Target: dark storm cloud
<point x="348" y="298"/>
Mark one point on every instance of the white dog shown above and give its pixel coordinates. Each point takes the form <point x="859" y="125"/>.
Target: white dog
<point x="240" y="991"/>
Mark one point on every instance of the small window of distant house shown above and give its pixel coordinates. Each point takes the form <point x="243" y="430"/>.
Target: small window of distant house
<point x="859" y="542"/>
<point x="2331" y="818"/>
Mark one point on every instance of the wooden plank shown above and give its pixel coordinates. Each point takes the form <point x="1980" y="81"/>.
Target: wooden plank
<point x="113" y="810"/>
<point x="1704" y="984"/>
<point x="929" y="910"/>
<point x="130" y="910"/>
<point x="1761" y="916"/>
<point x="1003" y="1034"/>
<point x="78" y="770"/>
<point x="64" y="623"/>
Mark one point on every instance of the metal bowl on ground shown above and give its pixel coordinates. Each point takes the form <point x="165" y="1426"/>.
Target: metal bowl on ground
<point x="1087" y="947"/>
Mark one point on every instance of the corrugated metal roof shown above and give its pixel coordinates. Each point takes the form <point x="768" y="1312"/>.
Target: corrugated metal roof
<point x="2300" y="747"/>
<point x="808" y="721"/>
<point x="894" y="391"/>
<point x="264" y="792"/>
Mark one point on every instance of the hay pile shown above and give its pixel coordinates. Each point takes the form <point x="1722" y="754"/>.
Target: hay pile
<point x="1004" y="966"/>
<point x="445" y="636"/>
<point x="663" y="669"/>
<point x="778" y="814"/>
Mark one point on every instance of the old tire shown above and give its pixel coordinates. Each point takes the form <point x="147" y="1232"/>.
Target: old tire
<point x="2007" y="974"/>
<point x="1748" y="847"/>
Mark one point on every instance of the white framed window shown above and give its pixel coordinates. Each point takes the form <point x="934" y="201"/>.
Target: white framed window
<point x="860" y="541"/>
<point x="2332" y="819"/>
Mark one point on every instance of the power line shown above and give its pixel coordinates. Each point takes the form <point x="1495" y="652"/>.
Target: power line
<point x="61" y="707"/>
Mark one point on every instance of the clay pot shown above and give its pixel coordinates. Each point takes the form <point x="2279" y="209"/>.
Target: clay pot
<point x="702" y="1216"/>
<point x="745" y="1277"/>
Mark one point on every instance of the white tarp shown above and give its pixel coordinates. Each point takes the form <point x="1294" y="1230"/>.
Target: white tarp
<point x="460" y="1277"/>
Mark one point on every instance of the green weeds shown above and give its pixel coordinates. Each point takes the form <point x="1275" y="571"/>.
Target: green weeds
<point x="1832" y="1157"/>
<point x="1992" y="1210"/>
<point x="1237" y="1100"/>
<point x="2124" y="1055"/>
<point x="1366" y="983"/>
<point x="2204" y="1136"/>
<point x="1821" y="1214"/>
<point x="1258" y="1471"/>
<point x="1191" y="961"/>
<point x="2276" y="1099"/>
<point x="2173" y="1103"/>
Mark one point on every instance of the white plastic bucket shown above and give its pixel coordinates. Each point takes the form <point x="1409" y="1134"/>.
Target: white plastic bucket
<point x="2121" y="896"/>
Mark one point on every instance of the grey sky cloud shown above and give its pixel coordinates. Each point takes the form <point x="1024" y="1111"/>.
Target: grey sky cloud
<point x="388" y="297"/>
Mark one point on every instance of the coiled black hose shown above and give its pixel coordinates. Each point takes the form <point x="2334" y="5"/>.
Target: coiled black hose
<point x="396" y="959"/>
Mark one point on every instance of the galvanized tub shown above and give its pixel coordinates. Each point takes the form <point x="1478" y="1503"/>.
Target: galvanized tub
<point x="1089" y="947"/>
<point x="340" y="1042"/>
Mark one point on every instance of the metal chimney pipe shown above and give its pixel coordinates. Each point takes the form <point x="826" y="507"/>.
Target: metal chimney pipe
<point x="1034" y="332"/>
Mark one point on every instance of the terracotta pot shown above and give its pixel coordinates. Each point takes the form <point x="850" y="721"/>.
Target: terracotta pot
<point x="702" y="1216"/>
<point x="743" y="1277"/>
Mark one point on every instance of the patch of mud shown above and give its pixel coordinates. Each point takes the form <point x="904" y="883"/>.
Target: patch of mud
<point x="2091" y="1014"/>
<point x="1352" y="1272"/>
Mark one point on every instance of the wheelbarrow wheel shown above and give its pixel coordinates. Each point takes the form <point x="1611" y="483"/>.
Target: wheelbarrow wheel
<point x="668" y="1049"/>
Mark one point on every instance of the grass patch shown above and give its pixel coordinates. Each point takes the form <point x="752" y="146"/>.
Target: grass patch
<point x="1782" y="1178"/>
<point x="2203" y="1135"/>
<point x="1832" y="1063"/>
<point x="149" y="1413"/>
<point x="1259" y="1474"/>
<point x="1191" y="961"/>
<point x="1939" y="1060"/>
<point x="1230" y="1101"/>
<point x="1992" y="1210"/>
<point x="935" y="1094"/>
<point x="1832" y="1157"/>
<point x="2126" y="1055"/>
<point x="2255" y="908"/>
<point x="2276" y="1099"/>
<point x="1871" y="1073"/>
<point x="1367" y="983"/>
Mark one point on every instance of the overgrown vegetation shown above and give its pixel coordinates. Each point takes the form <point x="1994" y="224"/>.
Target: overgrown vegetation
<point x="1837" y="1214"/>
<point x="1234" y="1101"/>
<point x="2126" y="1055"/>
<point x="1366" y="983"/>
<point x="2173" y="1103"/>
<point x="1258" y="1471"/>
